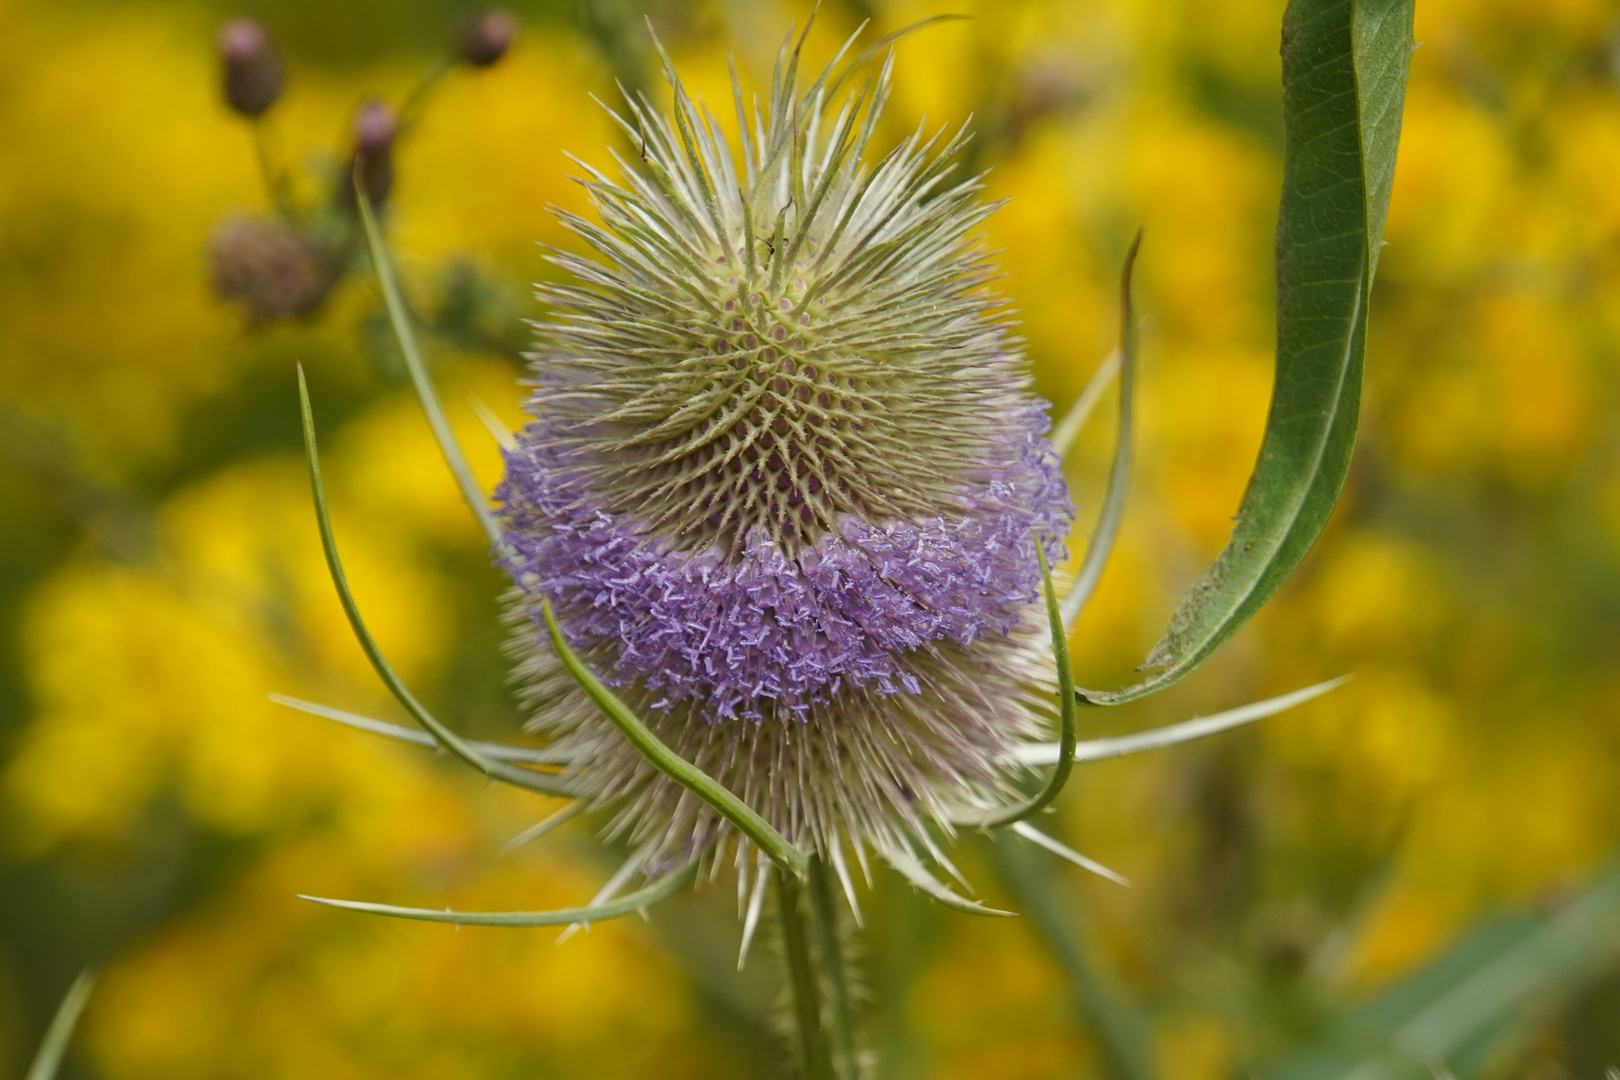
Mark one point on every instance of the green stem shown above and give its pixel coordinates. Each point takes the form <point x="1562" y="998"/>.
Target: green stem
<point x="812" y="1047"/>
<point x="49" y="1058"/>
<point x="824" y="922"/>
<point x="410" y="110"/>
<point x="1120" y="1033"/>
<point x="399" y="318"/>
<point x="276" y="182"/>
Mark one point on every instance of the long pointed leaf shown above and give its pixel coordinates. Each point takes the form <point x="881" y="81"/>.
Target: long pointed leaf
<point x="1344" y="81"/>
<point x="1197" y="728"/>
<point x="612" y="909"/>
<point x="1103" y="536"/>
<point x="495" y="770"/>
<point x="528" y="755"/>
<point x="1474" y="991"/>
<point x="49" y="1059"/>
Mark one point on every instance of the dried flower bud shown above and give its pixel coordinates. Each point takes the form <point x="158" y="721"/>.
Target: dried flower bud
<point x="486" y="37"/>
<point x="273" y="270"/>
<point x="252" y="75"/>
<point x="375" y="128"/>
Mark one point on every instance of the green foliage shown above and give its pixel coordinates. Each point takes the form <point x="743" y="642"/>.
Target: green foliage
<point x="49" y="1059"/>
<point x="1448" y="1014"/>
<point x="1344" y="82"/>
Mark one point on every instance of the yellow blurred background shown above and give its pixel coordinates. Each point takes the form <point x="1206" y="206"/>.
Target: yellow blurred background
<point x="160" y="573"/>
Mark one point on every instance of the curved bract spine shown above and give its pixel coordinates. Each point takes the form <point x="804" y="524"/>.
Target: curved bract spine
<point x="449" y="740"/>
<point x="639" y="900"/>
<point x="678" y="769"/>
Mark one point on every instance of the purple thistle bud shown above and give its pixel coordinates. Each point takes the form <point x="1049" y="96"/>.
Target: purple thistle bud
<point x="485" y="38"/>
<point x="252" y="72"/>
<point x="784" y="482"/>
<point x="375" y="129"/>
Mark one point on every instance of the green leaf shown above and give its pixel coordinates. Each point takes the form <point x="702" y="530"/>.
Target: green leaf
<point x="49" y="1059"/>
<point x="1460" y="1002"/>
<point x="527" y="755"/>
<point x="1112" y="513"/>
<point x="659" y="890"/>
<point x="1344" y="82"/>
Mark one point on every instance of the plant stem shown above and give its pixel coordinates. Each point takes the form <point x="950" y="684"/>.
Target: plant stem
<point x="801" y="980"/>
<point x="399" y="318"/>
<point x="276" y="182"/>
<point x="1120" y="1033"/>
<point x="824" y="921"/>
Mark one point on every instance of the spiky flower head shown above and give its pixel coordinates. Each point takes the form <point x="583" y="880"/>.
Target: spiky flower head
<point x="785" y="478"/>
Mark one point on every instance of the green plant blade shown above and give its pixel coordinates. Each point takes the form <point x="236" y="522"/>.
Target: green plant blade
<point x="1200" y="727"/>
<point x="1472" y="993"/>
<point x="661" y="889"/>
<point x="527" y="755"/>
<point x="1344" y="81"/>
<point x="60" y="1033"/>
<point x="1074" y="420"/>
<point x="671" y="764"/>
<point x="449" y="740"/>
<point x="1106" y="532"/>
<point x="400" y="320"/>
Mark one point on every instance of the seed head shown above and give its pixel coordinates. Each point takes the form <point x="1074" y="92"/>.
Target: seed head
<point x="275" y="271"/>
<point x="784" y="478"/>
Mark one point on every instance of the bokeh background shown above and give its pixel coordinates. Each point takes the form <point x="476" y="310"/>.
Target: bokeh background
<point x="160" y="573"/>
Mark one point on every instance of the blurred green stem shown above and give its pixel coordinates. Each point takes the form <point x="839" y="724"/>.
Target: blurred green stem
<point x="1121" y="1035"/>
<point x="277" y="184"/>
<point x="51" y="1051"/>
<point x="824" y="920"/>
<point x="410" y="109"/>
<point x="813" y="1056"/>
<point x="429" y="397"/>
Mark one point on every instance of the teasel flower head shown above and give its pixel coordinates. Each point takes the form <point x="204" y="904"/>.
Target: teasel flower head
<point x="784" y="481"/>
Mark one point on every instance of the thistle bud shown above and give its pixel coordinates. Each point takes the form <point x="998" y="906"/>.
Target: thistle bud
<point x="486" y="37"/>
<point x="375" y="128"/>
<point x="784" y="485"/>
<point x="274" y="271"/>
<point x="252" y="72"/>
